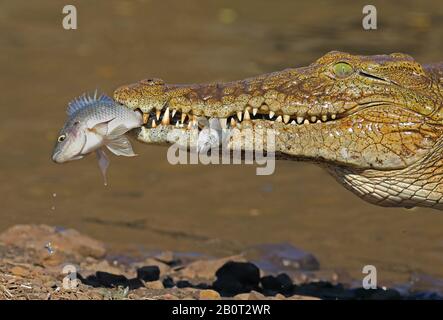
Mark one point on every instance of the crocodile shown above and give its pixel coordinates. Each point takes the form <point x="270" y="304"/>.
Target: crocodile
<point x="373" y="122"/>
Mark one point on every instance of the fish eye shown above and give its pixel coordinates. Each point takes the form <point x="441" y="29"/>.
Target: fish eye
<point x="61" y="138"/>
<point x="343" y="69"/>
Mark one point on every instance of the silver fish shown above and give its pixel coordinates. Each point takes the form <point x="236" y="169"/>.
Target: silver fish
<point x="93" y="124"/>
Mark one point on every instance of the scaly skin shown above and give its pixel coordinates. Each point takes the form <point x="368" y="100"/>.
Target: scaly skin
<point x="374" y="122"/>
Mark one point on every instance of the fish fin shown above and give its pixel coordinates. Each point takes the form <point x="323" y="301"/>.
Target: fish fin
<point x="103" y="163"/>
<point x="120" y="146"/>
<point x="101" y="128"/>
<point x="86" y="100"/>
<point x="117" y="132"/>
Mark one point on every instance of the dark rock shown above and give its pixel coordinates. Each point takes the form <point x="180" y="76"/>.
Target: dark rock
<point x="183" y="284"/>
<point x="280" y="284"/>
<point x="135" y="283"/>
<point x="89" y="280"/>
<point x="236" y="277"/>
<point x="203" y="286"/>
<point x="278" y="257"/>
<point x="324" y="290"/>
<point x="110" y="280"/>
<point x="168" y="282"/>
<point x="148" y="273"/>
<point x="376" y="294"/>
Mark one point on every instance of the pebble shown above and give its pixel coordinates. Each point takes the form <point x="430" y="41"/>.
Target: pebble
<point x="19" y="271"/>
<point x="209" y="295"/>
<point x="148" y="273"/>
<point x="236" y="277"/>
<point x="155" y="285"/>
<point x="206" y="269"/>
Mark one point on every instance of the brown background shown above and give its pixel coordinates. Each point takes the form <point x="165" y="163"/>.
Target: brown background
<point x="212" y="209"/>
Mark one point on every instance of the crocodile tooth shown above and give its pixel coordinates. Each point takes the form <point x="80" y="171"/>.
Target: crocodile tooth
<point x="145" y="118"/>
<point x="299" y="120"/>
<point x="318" y="121"/>
<point x="254" y="111"/>
<point x="173" y="113"/>
<point x="333" y="116"/>
<point x="239" y="115"/>
<point x="153" y="124"/>
<point x="271" y="114"/>
<point x="157" y="114"/>
<point x="177" y="124"/>
<point x="324" y="118"/>
<point x="183" y="118"/>
<point x="233" y="122"/>
<point x="293" y="122"/>
<point x="306" y="121"/>
<point x="313" y="118"/>
<point x="247" y="116"/>
<point x="223" y="122"/>
<point x="194" y="120"/>
<point x="165" y="119"/>
<point x="286" y="118"/>
<point x="279" y="119"/>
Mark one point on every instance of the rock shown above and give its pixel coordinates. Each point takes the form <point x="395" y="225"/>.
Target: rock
<point x="281" y="284"/>
<point x="166" y="257"/>
<point x="135" y="283"/>
<point x="155" y="285"/>
<point x="103" y="265"/>
<point x="209" y="295"/>
<point x="168" y="282"/>
<point x="273" y="258"/>
<point x="168" y="296"/>
<point x="110" y="280"/>
<point x="254" y="295"/>
<point x="19" y="271"/>
<point x="236" y="277"/>
<point x="242" y="296"/>
<point x="205" y="269"/>
<point x="148" y="273"/>
<point x="298" y="297"/>
<point x="163" y="267"/>
<point x="183" y="284"/>
<point x="377" y="294"/>
<point x="66" y="241"/>
<point x="324" y="290"/>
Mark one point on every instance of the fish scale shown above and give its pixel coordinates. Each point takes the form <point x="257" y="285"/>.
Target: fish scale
<point x="93" y="124"/>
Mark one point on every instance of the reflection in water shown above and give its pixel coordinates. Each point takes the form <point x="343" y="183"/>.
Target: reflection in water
<point x="44" y="67"/>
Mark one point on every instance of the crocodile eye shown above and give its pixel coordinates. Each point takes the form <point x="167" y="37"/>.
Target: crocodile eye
<point x="61" y="138"/>
<point x="343" y="69"/>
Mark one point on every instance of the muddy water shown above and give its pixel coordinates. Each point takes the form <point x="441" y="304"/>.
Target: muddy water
<point x="218" y="210"/>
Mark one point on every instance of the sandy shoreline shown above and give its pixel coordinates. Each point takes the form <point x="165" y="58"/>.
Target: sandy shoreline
<point x="35" y="261"/>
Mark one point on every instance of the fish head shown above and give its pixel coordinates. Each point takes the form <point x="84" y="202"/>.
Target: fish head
<point x="70" y="143"/>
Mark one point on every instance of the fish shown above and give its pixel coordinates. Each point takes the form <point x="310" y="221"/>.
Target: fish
<point x="94" y="124"/>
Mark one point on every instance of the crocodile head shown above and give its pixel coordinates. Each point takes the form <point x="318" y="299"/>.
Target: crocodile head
<point x="375" y="122"/>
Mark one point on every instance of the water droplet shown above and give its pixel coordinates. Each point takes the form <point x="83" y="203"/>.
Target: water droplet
<point x="53" y="208"/>
<point x="54" y="195"/>
<point x="48" y="246"/>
